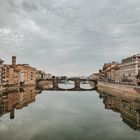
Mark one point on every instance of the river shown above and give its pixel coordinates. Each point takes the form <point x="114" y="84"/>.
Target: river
<point x="56" y="115"/>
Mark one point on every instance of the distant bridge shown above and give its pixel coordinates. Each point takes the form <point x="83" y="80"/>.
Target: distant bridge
<point x="55" y="84"/>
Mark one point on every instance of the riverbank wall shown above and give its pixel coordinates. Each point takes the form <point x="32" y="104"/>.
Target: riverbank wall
<point x="118" y="88"/>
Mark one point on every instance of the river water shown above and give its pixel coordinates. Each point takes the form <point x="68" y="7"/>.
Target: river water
<point x="56" y="115"/>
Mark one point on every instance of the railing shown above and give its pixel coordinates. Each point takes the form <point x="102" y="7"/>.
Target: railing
<point x="117" y="82"/>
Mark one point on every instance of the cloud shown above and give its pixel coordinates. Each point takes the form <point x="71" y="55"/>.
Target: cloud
<point x="69" y="36"/>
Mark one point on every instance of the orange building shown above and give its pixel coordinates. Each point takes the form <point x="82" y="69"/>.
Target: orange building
<point x="10" y="75"/>
<point x="27" y="74"/>
<point x="15" y="74"/>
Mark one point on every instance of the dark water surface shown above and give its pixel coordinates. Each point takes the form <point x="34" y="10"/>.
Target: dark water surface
<point x="62" y="116"/>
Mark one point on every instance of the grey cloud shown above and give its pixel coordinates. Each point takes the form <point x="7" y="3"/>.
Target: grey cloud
<point x="65" y="36"/>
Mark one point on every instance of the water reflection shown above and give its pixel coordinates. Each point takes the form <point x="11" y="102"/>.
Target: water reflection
<point x="125" y="104"/>
<point x="16" y="100"/>
<point x="69" y="85"/>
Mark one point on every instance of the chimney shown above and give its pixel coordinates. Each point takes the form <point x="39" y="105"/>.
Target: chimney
<point x="13" y="60"/>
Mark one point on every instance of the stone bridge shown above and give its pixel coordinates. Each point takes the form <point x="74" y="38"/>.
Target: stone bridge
<point x="55" y="84"/>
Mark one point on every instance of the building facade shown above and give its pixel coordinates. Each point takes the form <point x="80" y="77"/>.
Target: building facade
<point x="128" y="71"/>
<point x="26" y="73"/>
<point x="112" y="71"/>
<point x="10" y="75"/>
<point x="1" y="72"/>
<point x="40" y="74"/>
<point x="16" y="74"/>
<point x="130" y="68"/>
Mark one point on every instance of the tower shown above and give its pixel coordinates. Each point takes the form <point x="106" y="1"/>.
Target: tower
<point x="13" y="60"/>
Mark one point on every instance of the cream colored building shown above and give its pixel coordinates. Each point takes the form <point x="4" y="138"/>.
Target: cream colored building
<point x="130" y="67"/>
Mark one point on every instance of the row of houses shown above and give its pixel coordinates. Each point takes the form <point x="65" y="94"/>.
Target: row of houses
<point x="14" y="74"/>
<point x="126" y="71"/>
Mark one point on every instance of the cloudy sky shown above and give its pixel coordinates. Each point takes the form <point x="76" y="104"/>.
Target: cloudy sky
<point x="69" y="37"/>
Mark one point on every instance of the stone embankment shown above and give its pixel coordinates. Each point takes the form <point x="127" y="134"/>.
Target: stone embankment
<point x="45" y="85"/>
<point x="119" y="88"/>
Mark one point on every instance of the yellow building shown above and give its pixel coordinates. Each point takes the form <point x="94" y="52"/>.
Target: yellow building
<point x="112" y="71"/>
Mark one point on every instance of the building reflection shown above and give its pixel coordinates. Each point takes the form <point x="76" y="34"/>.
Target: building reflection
<point x="17" y="100"/>
<point x="127" y="105"/>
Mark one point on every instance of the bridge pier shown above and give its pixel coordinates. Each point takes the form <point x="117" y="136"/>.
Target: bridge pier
<point x="77" y="85"/>
<point x="55" y="84"/>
